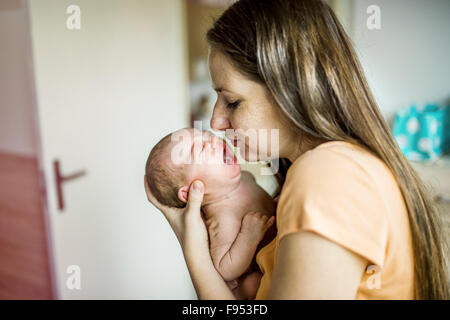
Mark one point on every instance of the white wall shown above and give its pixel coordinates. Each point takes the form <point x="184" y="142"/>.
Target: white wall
<point x="408" y="60"/>
<point x="16" y="121"/>
<point x="106" y="94"/>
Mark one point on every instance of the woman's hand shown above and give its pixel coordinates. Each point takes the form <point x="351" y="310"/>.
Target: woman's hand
<point x="191" y="232"/>
<point x="187" y="223"/>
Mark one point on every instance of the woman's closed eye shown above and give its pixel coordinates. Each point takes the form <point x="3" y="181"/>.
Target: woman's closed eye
<point x="233" y="105"/>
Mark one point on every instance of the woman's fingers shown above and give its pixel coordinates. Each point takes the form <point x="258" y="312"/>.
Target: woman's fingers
<point x="195" y="197"/>
<point x="196" y="234"/>
<point x="168" y="212"/>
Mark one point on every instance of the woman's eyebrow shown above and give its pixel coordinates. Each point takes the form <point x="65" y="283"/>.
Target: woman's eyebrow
<point x="220" y="89"/>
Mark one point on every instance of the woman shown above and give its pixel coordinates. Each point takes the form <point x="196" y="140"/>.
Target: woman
<point x="353" y="219"/>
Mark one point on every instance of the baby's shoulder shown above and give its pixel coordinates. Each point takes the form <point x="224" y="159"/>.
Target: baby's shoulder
<point x="247" y="176"/>
<point x="255" y="198"/>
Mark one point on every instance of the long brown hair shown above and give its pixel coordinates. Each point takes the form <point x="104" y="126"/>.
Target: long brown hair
<point x="301" y="53"/>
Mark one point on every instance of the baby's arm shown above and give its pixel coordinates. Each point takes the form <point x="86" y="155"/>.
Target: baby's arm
<point x="233" y="258"/>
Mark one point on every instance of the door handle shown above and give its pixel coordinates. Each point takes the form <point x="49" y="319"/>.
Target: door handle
<point x="60" y="179"/>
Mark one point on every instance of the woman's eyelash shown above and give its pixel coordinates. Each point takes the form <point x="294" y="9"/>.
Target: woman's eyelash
<point x="233" y="105"/>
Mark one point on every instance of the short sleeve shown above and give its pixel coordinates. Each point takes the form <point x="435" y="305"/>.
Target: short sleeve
<point x="333" y="195"/>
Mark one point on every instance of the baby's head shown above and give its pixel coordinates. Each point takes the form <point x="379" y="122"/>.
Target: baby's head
<point x="187" y="155"/>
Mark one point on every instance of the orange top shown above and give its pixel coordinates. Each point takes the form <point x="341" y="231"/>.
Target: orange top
<point x="346" y="194"/>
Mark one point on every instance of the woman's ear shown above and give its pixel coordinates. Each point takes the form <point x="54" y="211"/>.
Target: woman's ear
<point x="183" y="193"/>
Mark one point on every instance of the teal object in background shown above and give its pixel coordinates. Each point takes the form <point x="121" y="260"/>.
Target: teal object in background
<point x="423" y="134"/>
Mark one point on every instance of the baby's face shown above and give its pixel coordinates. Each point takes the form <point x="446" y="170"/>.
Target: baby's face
<point x="201" y="155"/>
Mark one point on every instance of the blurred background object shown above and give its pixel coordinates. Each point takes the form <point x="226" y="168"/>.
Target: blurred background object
<point x="98" y="98"/>
<point x="423" y="133"/>
<point x="25" y="253"/>
<point x="200" y="16"/>
<point x="406" y="64"/>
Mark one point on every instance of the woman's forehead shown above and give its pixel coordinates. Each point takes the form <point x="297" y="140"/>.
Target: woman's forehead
<point x="223" y="74"/>
<point x="227" y="79"/>
<point x="220" y="68"/>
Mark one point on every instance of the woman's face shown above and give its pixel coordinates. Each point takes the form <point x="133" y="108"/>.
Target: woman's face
<point x="247" y="112"/>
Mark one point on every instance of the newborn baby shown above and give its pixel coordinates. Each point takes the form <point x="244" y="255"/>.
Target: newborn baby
<point x="236" y="210"/>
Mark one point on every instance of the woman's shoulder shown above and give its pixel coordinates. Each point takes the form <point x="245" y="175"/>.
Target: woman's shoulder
<point x="336" y="160"/>
<point x="335" y="191"/>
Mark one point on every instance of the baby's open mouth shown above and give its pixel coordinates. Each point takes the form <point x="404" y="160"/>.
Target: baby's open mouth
<point x="228" y="155"/>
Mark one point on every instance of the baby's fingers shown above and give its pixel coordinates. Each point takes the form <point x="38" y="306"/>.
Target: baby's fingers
<point x="270" y="222"/>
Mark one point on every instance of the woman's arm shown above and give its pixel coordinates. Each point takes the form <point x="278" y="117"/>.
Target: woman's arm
<point x="207" y="281"/>
<point x="308" y="266"/>
<point x="192" y="235"/>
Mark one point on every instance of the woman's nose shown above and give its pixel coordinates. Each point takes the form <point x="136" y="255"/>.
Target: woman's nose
<point x="219" y="122"/>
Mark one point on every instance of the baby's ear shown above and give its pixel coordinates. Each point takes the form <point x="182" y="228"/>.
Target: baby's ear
<point x="183" y="193"/>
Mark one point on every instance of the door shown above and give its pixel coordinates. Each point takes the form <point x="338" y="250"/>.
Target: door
<point x="108" y="86"/>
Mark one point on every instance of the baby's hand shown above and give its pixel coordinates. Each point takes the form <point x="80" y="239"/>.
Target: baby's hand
<point x="256" y="224"/>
